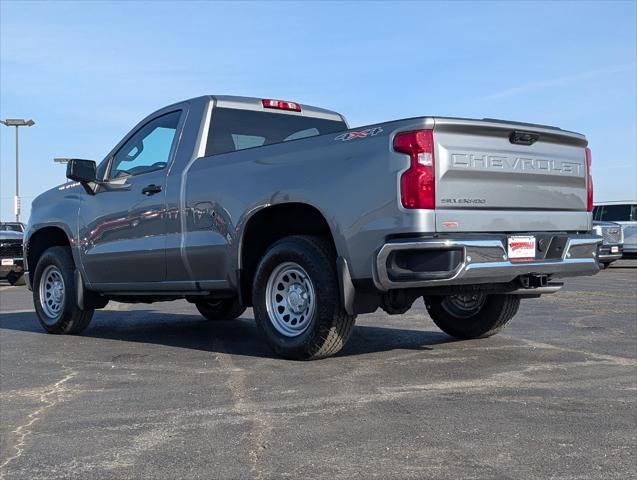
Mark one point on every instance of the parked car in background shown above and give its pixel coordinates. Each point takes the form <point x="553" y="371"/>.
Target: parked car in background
<point x="612" y="245"/>
<point x="625" y="214"/>
<point x="11" y="264"/>
<point x="12" y="226"/>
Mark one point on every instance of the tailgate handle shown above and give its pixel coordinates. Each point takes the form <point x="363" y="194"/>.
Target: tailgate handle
<point x="523" y="138"/>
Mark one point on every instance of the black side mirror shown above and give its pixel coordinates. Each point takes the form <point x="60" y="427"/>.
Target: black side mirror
<point x="83" y="171"/>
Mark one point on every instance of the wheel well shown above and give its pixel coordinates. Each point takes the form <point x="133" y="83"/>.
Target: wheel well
<point x="41" y="240"/>
<point x="271" y="224"/>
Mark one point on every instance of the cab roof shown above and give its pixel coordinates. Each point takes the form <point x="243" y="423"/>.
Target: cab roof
<point x="256" y="104"/>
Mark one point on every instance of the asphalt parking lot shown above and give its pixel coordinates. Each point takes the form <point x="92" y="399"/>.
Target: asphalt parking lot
<point x="154" y="391"/>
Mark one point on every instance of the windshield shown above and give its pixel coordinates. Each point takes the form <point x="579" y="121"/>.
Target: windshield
<point x="621" y="212"/>
<point x="12" y="227"/>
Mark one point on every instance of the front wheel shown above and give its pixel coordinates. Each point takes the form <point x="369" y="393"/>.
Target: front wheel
<point x="54" y="293"/>
<point x="473" y="315"/>
<point x="296" y="299"/>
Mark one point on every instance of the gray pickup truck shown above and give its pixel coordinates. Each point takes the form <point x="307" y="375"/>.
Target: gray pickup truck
<point x="232" y="202"/>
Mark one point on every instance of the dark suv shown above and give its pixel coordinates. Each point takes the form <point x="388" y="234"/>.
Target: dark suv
<point x="11" y="266"/>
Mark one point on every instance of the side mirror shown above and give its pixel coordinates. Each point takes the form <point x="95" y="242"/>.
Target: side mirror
<point x="83" y="171"/>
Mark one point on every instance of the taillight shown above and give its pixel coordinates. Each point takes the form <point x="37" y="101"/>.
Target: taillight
<point x="589" y="181"/>
<point x="281" y="105"/>
<point x="418" y="183"/>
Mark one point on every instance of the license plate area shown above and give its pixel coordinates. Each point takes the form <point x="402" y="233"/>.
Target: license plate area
<point x="521" y="248"/>
<point x="614" y="249"/>
<point x="7" y="261"/>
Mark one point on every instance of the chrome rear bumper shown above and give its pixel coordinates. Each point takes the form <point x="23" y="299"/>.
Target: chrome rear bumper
<point x="486" y="261"/>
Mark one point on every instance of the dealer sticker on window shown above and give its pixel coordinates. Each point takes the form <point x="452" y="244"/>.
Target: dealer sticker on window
<point x="522" y="248"/>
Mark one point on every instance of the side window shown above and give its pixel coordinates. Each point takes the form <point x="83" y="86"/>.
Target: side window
<point x="148" y="149"/>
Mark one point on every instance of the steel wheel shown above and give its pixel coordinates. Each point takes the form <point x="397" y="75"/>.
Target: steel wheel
<point x="52" y="292"/>
<point x="464" y="305"/>
<point x="290" y="299"/>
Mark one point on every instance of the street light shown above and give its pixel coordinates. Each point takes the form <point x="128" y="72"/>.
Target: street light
<point x="17" y="123"/>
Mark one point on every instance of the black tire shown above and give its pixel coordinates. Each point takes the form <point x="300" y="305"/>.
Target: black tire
<point x="330" y="326"/>
<point x="16" y="279"/>
<point x="604" y="265"/>
<point x="228" y="309"/>
<point x="485" y="320"/>
<point x="70" y="320"/>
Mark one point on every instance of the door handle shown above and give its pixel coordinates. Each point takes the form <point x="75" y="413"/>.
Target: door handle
<point x="151" y="189"/>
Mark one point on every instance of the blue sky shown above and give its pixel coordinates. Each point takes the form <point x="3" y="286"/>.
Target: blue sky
<point x="86" y="72"/>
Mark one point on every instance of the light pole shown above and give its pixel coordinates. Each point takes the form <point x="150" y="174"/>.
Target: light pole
<point x="17" y="123"/>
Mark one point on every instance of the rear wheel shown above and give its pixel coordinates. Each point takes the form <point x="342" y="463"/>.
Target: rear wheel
<point x="296" y="299"/>
<point x="227" y="309"/>
<point x="54" y="293"/>
<point x="473" y="315"/>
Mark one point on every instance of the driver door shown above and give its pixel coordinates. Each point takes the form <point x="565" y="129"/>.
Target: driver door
<point x="123" y="226"/>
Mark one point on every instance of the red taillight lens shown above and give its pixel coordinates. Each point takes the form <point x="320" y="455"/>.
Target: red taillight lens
<point x="281" y="105"/>
<point x="418" y="183"/>
<point x="589" y="181"/>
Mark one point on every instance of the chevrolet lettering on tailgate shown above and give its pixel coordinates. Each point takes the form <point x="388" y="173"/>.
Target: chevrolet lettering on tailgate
<point x="500" y="162"/>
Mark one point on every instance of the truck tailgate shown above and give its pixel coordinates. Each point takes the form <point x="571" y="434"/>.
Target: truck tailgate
<point x="506" y="177"/>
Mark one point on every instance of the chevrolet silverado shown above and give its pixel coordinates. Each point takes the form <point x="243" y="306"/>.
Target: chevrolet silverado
<point x="233" y="202"/>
